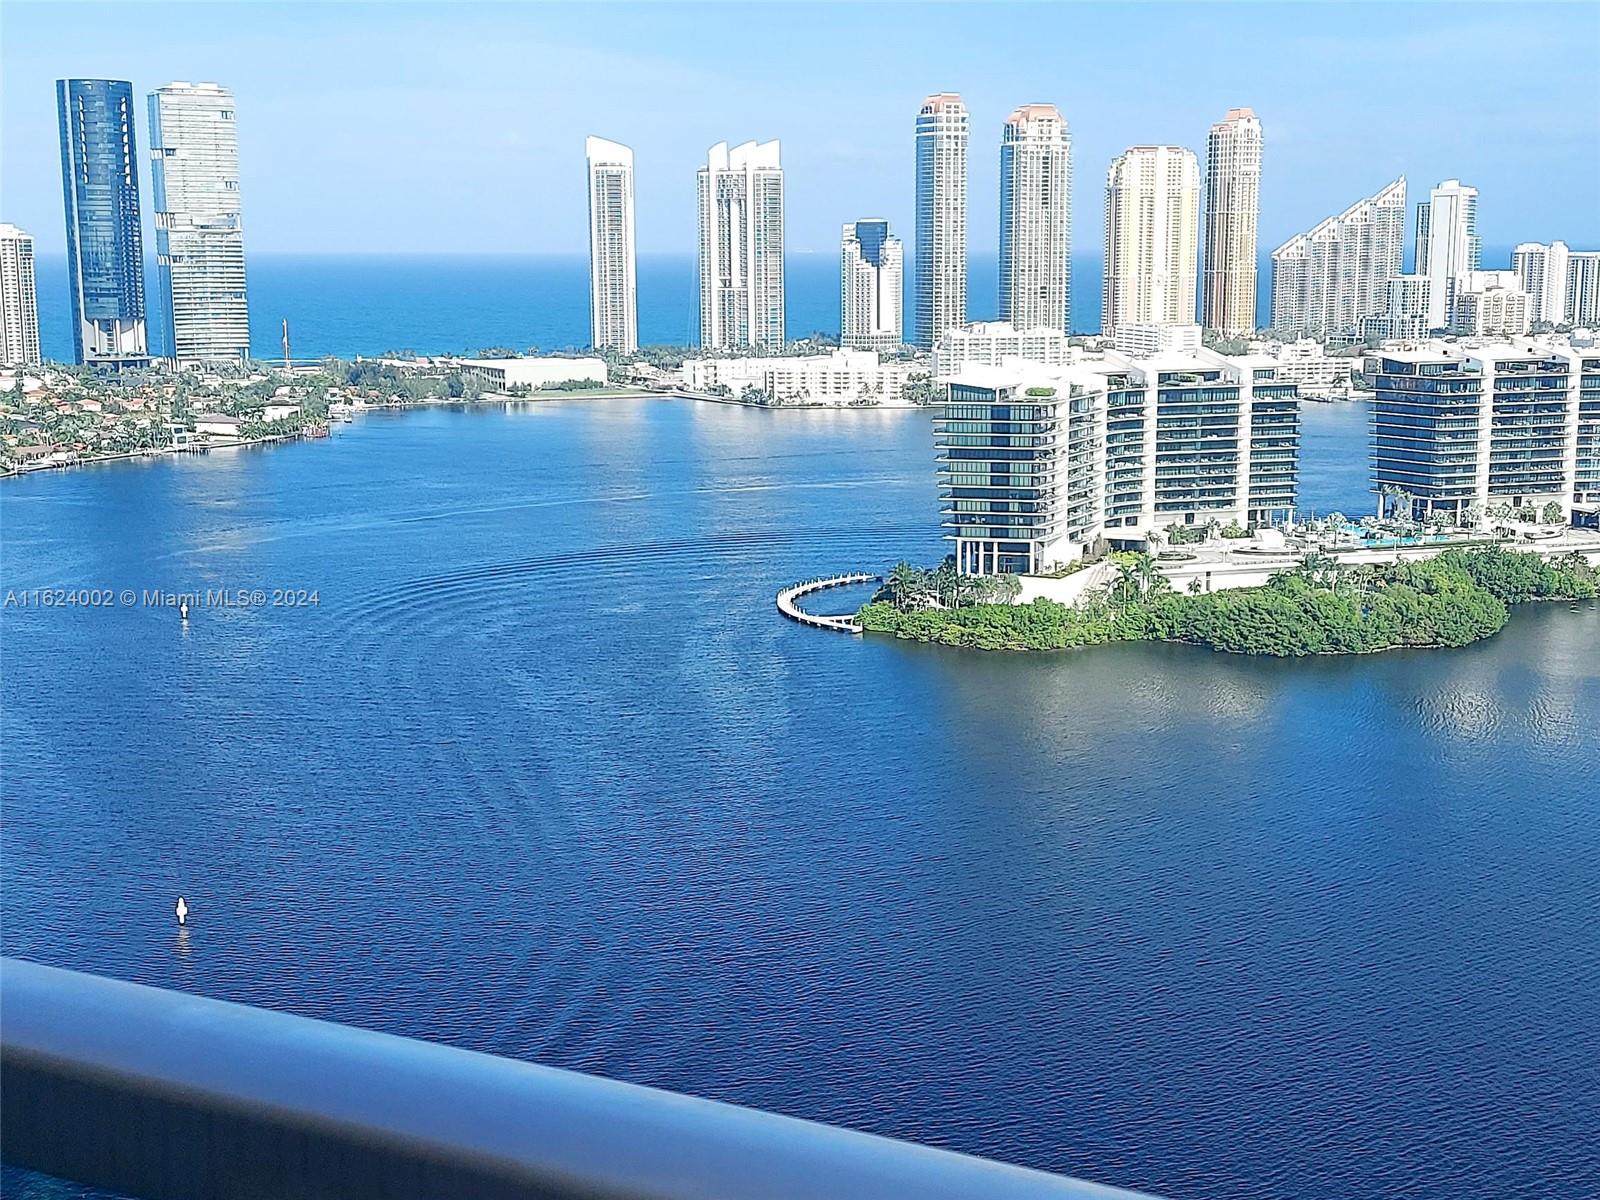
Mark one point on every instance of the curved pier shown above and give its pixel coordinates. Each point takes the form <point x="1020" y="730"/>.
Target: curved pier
<point x="840" y="624"/>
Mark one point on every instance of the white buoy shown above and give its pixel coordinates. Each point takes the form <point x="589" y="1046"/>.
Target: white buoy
<point x="183" y="610"/>
<point x="182" y="910"/>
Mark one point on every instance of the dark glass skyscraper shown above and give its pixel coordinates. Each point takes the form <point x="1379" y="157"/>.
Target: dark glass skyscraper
<point x="105" y="253"/>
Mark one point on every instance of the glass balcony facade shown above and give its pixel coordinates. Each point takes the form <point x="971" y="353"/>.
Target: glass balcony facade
<point x="105" y="253"/>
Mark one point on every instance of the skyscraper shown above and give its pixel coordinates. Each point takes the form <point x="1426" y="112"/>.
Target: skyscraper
<point x="741" y="246"/>
<point x="941" y="217"/>
<point x="1583" y="289"/>
<point x="1233" y="204"/>
<point x="105" y="248"/>
<point x="613" y="279"/>
<point x="19" y="304"/>
<point x="1447" y="245"/>
<point x="1035" y="218"/>
<point x="194" y="173"/>
<point x="1152" y="238"/>
<point x="1542" y="271"/>
<point x="871" y="265"/>
<point x="1327" y="282"/>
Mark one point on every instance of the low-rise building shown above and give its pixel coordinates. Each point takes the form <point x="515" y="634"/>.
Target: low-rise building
<point x="1035" y="463"/>
<point x="278" y="411"/>
<point x="502" y="374"/>
<point x="217" y="425"/>
<point x="842" y="377"/>
<point x="992" y="343"/>
<point x="1142" y="341"/>
<point x="1308" y="365"/>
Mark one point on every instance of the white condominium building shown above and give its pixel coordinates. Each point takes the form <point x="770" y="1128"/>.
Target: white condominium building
<point x="1035" y="463"/>
<point x="1447" y="245"/>
<point x="941" y="259"/>
<point x="1233" y="205"/>
<point x="194" y="168"/>
<point x="1328" y="281"/>
<point x="1405" y="311"/>
<point x="1311" y="369"/>
<point x="1583" y="289"/>
<point x="1152" y="238"/>
<point x="871" y="279"/>
<point x="993" y="343"/>
<point x="1543" y="271"/>
<point x="1458" y="427"/>
<point x="613" y="277"/>
<point x="842" y="377"/>
<point x="1142" y="341"/>
<point x="741" y="246"/>
<point x="1490" y="304"/>
<point x="1036" y="218"/>
<point x="19" y="299"/>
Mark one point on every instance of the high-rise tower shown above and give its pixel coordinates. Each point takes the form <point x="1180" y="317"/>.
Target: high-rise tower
<point x="105" y="247"/>
<point x="19" y="303"/>
<point x="1152" y="238"/>
<point x="1328" y="281"/>
<point x="1233" y="203"/>
<point x="741" y="246"/>
<point x="941" y="262"/>
<point x="1036" y="219"/>
<point x="613" y="280"/>
<point x="871" y="265"/>
<point x="1447" y="245"/>
<point x="194" y="173"/>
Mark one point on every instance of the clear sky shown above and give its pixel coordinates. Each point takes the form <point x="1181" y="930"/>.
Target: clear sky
<point x="430" y="128"/>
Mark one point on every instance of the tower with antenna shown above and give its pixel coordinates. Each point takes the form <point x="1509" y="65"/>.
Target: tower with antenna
<point x="287" y="362"/>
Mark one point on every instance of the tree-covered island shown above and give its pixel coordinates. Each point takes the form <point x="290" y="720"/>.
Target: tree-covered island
<point x="1318" y="607"/>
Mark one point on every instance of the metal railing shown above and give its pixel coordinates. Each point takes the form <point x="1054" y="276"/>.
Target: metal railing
<point x="163" y="1094"/>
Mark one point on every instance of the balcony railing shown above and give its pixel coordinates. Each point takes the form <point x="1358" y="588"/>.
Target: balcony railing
<point x="163" y="1094"/>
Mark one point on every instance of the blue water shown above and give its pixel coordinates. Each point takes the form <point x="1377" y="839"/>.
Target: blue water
<point x="544" y="774"/>
<point x="443" y="305"/>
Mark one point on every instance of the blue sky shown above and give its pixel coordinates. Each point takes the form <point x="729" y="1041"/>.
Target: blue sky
<point x="426" y="128"/>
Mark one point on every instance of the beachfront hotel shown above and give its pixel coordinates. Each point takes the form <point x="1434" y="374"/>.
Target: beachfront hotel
<point x="105" y="242"/>
<point x="194" y="174"/>
<point x="1035" y="218"/>
<point x="19" y="301"/>
<point x="941" y="251"/>
<point x="1460" y="428"/>
<point x="871" y="286"/>
<point x="613" y="278"/>
<point x="1233" y="205"/>
<point x="740" y="195"/>
<point x="1036" y="463"/>
<point x="1152" y="238"/>
<point x="1328" y="281"/>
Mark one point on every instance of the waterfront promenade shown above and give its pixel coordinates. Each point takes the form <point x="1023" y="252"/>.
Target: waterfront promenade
<point x="844" y="623"/>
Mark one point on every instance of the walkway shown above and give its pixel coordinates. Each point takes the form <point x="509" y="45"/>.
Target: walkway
<point x="842" y="624"/>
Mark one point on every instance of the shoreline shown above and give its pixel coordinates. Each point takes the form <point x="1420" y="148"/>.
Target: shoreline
<point x="302" y="435"/>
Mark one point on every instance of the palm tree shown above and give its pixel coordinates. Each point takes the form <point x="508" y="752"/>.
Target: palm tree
<point x="946" y="583"/>
<point x="903" y="584"/>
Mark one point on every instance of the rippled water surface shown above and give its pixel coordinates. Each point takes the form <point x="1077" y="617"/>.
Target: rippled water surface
<point x="544" y="774"/>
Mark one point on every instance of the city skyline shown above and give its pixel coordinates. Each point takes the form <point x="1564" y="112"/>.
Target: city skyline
<point x="1532" y="164"/>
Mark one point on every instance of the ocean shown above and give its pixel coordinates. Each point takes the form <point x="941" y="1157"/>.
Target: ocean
<point x="366" y="305"/>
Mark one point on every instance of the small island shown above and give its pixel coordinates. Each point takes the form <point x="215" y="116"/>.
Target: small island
<point x="1319" y="606"/>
